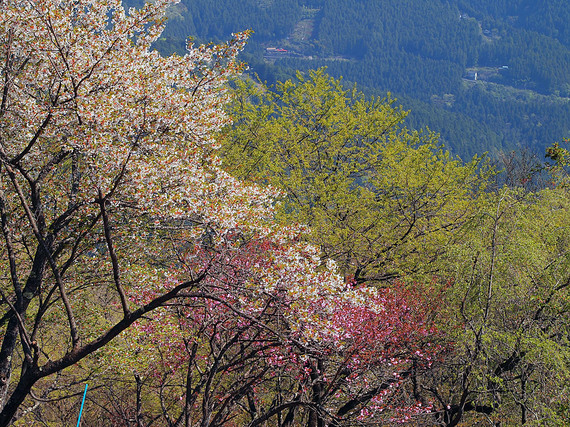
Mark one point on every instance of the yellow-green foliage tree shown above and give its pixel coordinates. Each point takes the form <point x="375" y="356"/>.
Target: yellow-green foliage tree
<point x="380" y="200"/>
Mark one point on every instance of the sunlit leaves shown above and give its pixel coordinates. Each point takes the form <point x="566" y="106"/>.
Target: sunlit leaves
<point x="381" y="200"/>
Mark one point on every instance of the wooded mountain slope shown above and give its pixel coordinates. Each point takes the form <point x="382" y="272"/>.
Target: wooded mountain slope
<point x="424" y="53"/>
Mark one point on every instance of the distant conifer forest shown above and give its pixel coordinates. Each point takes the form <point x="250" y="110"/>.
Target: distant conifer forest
<point x="487" y="75"/>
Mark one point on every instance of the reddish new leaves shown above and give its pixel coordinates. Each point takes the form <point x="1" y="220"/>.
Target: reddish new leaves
<point x="248" y="352"/>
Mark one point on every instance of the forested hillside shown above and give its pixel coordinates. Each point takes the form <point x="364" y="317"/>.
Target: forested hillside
<point x="427" y="54"/>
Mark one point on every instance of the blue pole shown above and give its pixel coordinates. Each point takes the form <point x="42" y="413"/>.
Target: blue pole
<point x="82" y="403"/>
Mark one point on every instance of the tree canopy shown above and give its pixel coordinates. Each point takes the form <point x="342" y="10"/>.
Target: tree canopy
<point x="386" y="202"/>
<point x="379" y="199"/>
<point x="205" y="250"/>
<point x="132" y="261"/>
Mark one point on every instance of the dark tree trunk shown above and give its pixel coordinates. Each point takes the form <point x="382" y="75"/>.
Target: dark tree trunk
<point x="11" y="333"/>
